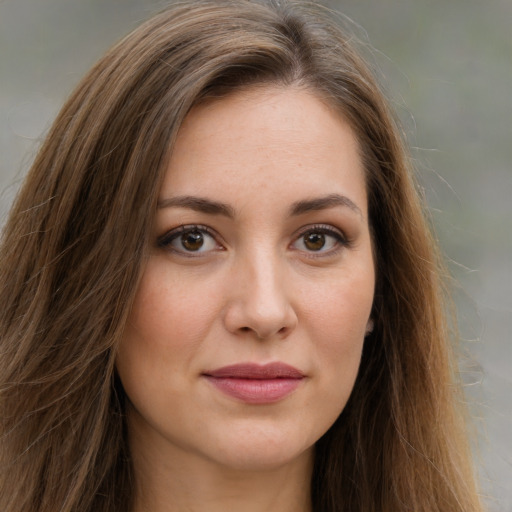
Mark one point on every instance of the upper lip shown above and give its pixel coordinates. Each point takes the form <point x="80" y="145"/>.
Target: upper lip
<point x="276" y="370"/>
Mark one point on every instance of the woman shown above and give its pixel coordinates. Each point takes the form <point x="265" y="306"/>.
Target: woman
<point x="218" y="288"/>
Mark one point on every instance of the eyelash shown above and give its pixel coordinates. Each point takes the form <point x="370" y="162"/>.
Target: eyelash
<point x="341" y="240"/>
<point x="166" y="240"/>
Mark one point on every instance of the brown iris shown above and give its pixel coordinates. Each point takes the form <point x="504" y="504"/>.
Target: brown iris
<point x="192" y="240"/>
<point x="314" y="241"/>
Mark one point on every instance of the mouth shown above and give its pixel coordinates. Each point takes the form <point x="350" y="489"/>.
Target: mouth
<point x="256" y="384"/>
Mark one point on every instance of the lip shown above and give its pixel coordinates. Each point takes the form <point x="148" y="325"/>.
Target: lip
<point x="254" y="383"/>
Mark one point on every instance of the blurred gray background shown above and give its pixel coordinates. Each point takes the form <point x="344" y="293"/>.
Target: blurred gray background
<point x="448" y="68"/>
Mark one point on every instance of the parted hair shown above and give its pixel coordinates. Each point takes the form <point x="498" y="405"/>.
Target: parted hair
<point x="76" y="240"/>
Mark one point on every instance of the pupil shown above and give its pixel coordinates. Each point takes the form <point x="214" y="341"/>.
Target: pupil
<point x="314" y="241"/>
<point x="193" y="240"/>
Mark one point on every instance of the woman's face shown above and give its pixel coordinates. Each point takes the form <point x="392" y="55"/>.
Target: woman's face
<point x="246" y="333"/>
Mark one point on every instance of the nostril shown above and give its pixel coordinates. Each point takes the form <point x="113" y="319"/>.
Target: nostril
<point x="281" y="332"/>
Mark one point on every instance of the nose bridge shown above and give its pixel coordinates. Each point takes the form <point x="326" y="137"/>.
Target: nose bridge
<point x="260" y="301"/>
<point x="266" y="282"/>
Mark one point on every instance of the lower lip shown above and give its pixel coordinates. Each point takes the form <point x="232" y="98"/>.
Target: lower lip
<point x="255" y="391"/>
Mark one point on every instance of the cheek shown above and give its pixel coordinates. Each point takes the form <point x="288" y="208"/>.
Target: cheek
<point x="337" y="316"/>
<point x="339" y="336"/>
<point x="170" y="313"/>
<point x="339" y="310"/>
<point x="166" y="326"/>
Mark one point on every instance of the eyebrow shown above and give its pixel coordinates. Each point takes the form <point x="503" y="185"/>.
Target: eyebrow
<point x="323" y="203"/>
<point x="208" y="206"/>
<point x="198" y="204"/>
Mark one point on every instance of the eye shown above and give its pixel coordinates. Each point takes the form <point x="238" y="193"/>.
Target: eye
<point x="320" y="239"/>
<point x="189" y="240"/>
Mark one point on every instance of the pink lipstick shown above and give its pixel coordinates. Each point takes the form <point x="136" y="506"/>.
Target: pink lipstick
<point x="256" y="384"/>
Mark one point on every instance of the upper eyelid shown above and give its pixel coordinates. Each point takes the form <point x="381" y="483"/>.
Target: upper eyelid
<point x="171" y="234"/>
<point x="342" y="241"/>
<point x="326" y="228"/>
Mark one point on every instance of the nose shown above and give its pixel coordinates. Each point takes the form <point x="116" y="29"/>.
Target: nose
<point x="259" y="300"/>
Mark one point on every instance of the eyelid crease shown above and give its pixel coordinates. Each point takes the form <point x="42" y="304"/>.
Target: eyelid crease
<point x="164" y="241"/>
<point x="325" y="229"/>
<point x="342" y="241"/>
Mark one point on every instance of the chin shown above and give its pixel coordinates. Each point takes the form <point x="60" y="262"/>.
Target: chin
<point x="262" y="449"/>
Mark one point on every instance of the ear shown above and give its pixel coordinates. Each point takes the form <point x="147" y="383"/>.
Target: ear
<point x="369" y="327"/>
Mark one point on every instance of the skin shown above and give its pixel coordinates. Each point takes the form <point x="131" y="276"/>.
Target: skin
<point x="257" y="290"/>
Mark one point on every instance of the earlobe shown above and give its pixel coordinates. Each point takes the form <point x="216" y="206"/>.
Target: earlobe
<point x="369" y="327"/>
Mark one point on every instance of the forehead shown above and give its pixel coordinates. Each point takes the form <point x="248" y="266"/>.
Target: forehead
<point x="264" y="139"/>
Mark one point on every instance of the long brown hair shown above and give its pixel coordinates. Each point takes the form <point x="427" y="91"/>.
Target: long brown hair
<point x="75" y="243"/>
